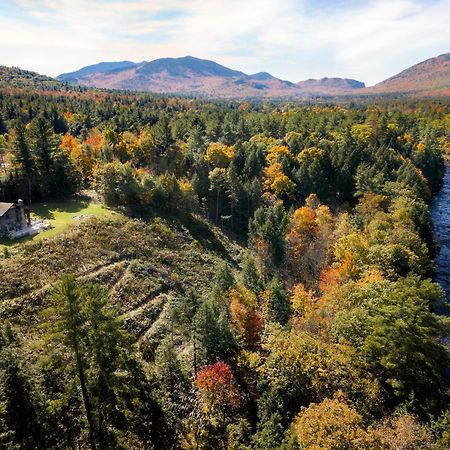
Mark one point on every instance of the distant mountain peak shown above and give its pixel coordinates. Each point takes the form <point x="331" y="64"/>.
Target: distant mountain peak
<point x="331" y="86"/>
<point x="262" y="76"/>
<point x="102" y="67"/>
<point x="187" y="65"/>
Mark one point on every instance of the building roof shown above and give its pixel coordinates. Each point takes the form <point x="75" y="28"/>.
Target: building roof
<point x="5" y="207"/>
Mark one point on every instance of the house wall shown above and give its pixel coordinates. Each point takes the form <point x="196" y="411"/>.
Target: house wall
<point x="11" y="220"/>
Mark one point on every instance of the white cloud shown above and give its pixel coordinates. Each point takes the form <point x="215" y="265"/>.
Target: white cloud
<point x="292" y="39"/>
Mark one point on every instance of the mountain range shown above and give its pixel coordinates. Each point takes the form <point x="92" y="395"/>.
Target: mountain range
<point x="199" y="77"/>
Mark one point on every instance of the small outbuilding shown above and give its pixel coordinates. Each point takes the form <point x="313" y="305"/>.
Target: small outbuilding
<point x="13" y="217"/>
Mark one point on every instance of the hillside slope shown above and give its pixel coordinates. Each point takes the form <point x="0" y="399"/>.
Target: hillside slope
<point x="430" y="76"/>
<point x="144" y="263"/>
<point x="14" y="77"/>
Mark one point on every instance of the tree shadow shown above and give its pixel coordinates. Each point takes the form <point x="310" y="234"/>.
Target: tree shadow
<point x="200" y="230"/>
<point x="46" y="210"/>
<point x="204" y="235"/>
<point x="10" y="243"/>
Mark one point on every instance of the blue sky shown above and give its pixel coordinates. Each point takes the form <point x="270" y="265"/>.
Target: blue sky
<point x="292" y="39"/>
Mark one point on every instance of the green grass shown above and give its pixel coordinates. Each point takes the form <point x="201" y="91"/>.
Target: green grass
<point x="60" y="215"/>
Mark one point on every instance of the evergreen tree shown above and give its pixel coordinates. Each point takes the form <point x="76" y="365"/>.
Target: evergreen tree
<point x="269" y="226"/>
<point x="70" y="330"/>
<point x="278" y="305"/>
<point x="173" y="387"/>
<point x="223" y="280"/>
<point x="250" y="275"/>
<point x="95" y="348"/>
<point x="23" y="158"/>
<point x="22" y="413"/>
<point x="213" y="333"/>
<point x="43" y="145"/>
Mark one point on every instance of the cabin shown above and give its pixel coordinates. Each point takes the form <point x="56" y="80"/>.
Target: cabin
<point x="13" y="217"/>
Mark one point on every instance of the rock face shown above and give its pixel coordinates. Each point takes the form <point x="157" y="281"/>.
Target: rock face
<point x="194" y="76"/>
<point x="428" y="77"/>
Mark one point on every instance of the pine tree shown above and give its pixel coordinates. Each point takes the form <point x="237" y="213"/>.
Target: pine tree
<point x="95" y="360"/>
<point x="223" y="280"/>
<point x="23" y="158"/>
<point x="70" y="330"/>
<point x="278" y="305"/>
<point x="22" y="415"/>
<point x="213" y="333"/>
<point x="250" y="275"/>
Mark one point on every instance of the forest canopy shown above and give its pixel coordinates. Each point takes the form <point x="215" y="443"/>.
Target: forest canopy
<point x="289" y="246"/>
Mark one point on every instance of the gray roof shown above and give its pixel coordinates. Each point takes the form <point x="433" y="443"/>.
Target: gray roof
<point x="5" y="207"/>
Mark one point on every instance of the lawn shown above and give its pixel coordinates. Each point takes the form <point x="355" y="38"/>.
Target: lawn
<point x="60" y="215"/>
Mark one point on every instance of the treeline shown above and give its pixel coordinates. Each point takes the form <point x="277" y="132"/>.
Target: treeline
<point x="325" y="337"/>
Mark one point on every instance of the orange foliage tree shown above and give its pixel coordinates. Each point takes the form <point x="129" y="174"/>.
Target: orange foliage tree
<point x="248" y="323"/>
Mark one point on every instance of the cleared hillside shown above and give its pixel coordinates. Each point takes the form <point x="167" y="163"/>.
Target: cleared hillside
<point x="144" y="263"/>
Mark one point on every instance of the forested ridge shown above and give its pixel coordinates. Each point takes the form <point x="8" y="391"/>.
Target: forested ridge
<point x="263" y="283"/>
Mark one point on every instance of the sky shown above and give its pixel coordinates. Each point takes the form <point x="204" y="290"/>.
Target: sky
<point x="292" y="39"/>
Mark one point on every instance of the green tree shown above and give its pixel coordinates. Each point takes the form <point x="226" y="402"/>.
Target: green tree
<point x="277" y="303"/>
<point x="213" y="333"/>
<point x="401" y="345"/>
<point x="267" y="231"/>
<point x="223" y="280"/>
<point x="70" y="330"/>
<point x="43" y="147"/>
<point x="95" y="348"/>
<point x="173" y="387"/>
<point x="250" y="275"/>
<point x="23" y="158"/>
<point x="22" y="413"/>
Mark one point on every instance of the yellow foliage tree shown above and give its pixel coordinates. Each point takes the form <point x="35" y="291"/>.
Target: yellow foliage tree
<point x="248" y="323"/>
<point x="81" y="156"/>
<point x="310" y="155"/>
<point x="332" y="425"/>
<point x="276" y="152"/>
<point x="276" y="182"/>
<point x="301" y="300"/>
<point x="362" y="132"/>
<point x="219" y="155"/>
